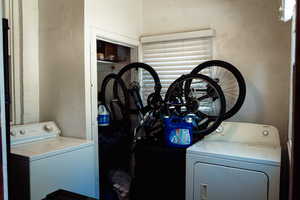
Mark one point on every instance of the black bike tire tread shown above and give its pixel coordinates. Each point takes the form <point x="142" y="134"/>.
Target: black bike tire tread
<point x="219" y="119"/>
<point x="121" y="83"/>
<point x="157" y="83"/>
<point x="240" y="79"/>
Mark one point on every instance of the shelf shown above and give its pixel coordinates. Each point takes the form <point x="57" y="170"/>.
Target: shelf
<point x="106" y="62"/>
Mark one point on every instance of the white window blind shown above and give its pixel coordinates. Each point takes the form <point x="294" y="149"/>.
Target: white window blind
<point x="173" y="58"/>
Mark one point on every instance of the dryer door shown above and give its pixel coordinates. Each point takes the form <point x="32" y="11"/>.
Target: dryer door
<point x="215" y="182"/>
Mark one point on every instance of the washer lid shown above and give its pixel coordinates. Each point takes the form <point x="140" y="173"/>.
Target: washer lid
<point x="49" y="147"/>
<point x="241" y="141"/>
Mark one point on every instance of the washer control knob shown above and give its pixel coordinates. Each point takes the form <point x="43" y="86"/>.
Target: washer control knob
<point x="48" y="128"/>
<point x="12" y="133"/>
<point x="22" y="132"/>
<point x="265" y="133"/>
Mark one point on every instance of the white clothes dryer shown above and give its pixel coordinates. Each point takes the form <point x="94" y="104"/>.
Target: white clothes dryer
<point x="239" y="161"/>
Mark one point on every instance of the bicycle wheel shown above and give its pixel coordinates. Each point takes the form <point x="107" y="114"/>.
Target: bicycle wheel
<point x="229" y="79"/>
<point x="126" y="74"/>
<point x="204" y="98"/>
<point x="106" y="95"/>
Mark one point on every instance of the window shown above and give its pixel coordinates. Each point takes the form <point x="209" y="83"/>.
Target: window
<point x="287" y="9"/>
<point x="172" y="55"/>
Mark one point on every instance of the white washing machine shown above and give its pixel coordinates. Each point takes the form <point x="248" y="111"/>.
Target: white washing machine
<point x="43" y="162"/>
<point x="239" y="161"/>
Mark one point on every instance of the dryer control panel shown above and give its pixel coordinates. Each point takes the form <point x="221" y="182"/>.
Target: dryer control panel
<point x="247" y="133"/>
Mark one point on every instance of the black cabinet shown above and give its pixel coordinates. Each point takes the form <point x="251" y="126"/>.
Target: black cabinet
<point x="160" y="172"/>
<point x="65" y="195"/>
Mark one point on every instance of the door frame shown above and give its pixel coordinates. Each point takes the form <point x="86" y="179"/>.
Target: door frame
<point x="91" y="35"/>
<point x="99" y="34"/>
<point x="3" y="122"/>
<point x="295" y="161"/>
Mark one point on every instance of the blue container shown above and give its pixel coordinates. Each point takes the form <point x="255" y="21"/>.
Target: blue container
<point x="103" y="117"/>
<point x="178" y="131"/>
<point x="103" y="120"/>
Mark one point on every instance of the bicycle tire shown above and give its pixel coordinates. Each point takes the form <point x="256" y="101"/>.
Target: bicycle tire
<point x="117" y="81"/>
<point x="217" y="120"/>
<point x="239" y="78"/>
<point x="136" y="65"/>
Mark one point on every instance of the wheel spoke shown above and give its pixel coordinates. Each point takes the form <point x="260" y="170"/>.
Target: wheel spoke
<point x="203" y="97"/>
<point x="200" y="90"/>
<point x="201" y="115"/>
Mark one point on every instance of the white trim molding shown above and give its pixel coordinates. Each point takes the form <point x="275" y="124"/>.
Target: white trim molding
<point x="93" y="34"/>
<point x="13" y="12"/>
<point x="178" y="36"/>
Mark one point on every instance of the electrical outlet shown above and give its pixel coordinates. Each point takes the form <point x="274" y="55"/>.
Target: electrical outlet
<point x="203" y="191"/>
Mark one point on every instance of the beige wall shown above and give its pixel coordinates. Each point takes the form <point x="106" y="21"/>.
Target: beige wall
<point x="115" y="16"/>
<point x="62" y="65"/>
<point x="249" y="35"/>
<point x="65" y="54"/>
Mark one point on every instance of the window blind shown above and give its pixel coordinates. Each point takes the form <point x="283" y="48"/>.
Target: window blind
<point x="173" y="58"/>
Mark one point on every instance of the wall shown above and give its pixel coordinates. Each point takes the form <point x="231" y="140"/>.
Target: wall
<point x="249" y="35"/>
<point x="115" y="16"/>
<point x="65" y="54"/>
<point x="62" y="65"/>
<point x="30" y="59"/>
